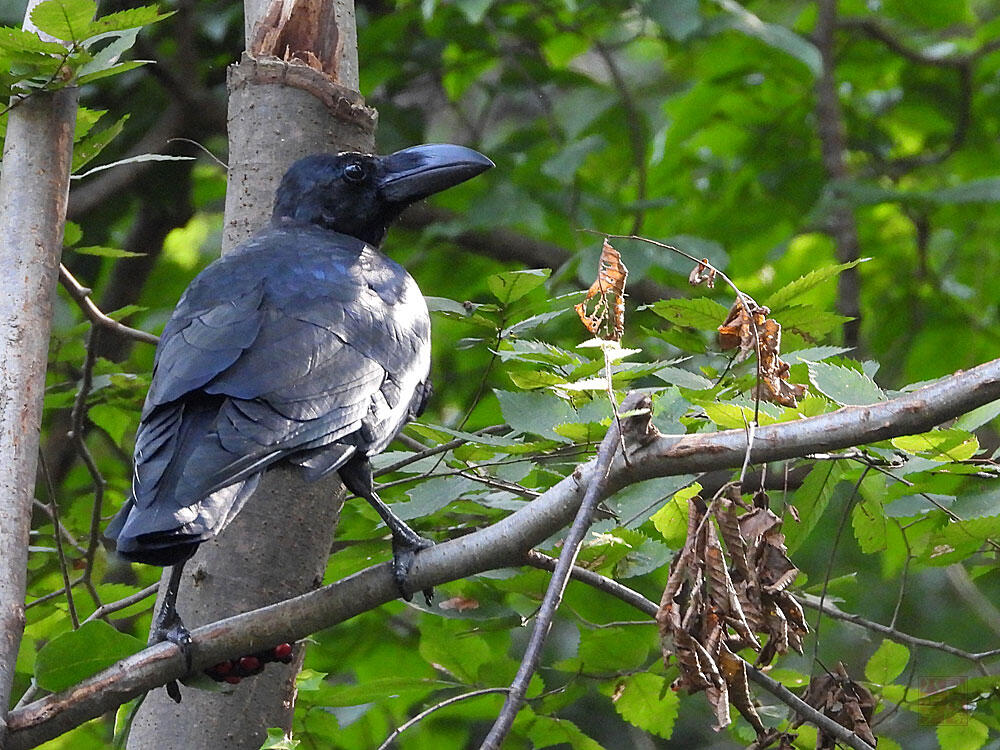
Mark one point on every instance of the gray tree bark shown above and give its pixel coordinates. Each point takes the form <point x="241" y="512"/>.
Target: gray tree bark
<point x="34" y="186"/>
<point x="279" y="110"/>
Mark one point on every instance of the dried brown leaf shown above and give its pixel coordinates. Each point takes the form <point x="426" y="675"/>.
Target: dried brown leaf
<point x="606" y="320"/>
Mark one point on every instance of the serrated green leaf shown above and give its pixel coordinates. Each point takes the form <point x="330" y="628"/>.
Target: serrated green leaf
<point x="734" y="416"/>
<point x="71" y="657"/>
<point x="868" y="522"/>
<point x="684" y="378"/>
<point x="94" y="143"/>
<point x="535" y="412"/>
<point x="131" y="18"/>
<point x="887" y="663"/>
<point x="697" y="312"/>
<point x="940" y="445"/>
<point x="549" y="731"/>
<point x="844" y="385"/>
<point x="512" y="285"/>
<point x="72" y="234"/>
<point x="19" y="40"/>
<point x="794" y="291"/>
<point x="962" y="732"/>
<point x="978" y="417"/>
<point x="309" y="680"/>
<point x="809" y="321"/>
<point x="645" y="701"/>
<point x="65" y="19"/>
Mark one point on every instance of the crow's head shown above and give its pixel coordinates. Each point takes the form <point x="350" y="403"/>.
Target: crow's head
<point x="361" y="194"/>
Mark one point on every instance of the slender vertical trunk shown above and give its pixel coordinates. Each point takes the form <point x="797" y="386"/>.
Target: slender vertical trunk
<point x="34" y="185"/>
<point x="841" y="223"/>
<point x="277" y="547"/>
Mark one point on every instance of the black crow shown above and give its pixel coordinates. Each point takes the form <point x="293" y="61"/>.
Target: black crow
<point x="303" y="344"/>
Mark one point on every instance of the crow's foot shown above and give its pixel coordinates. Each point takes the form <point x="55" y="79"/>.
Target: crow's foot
<point x="404" y="549"/>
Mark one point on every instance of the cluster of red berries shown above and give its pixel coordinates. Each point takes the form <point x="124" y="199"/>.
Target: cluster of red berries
<point x="234" y="670"/>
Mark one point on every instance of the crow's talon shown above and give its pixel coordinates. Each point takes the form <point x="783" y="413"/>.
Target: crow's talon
<point x="403" y="553"/>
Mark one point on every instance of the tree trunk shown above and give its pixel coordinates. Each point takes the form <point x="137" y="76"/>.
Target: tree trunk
<point x="34" y="186"/>
<point x="278" y="546"/>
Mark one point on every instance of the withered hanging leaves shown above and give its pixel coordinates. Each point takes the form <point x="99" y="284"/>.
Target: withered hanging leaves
<point x="703" y="272"/>
<point x="607" y="320"/>
<point x="845" y="701"/>
<point x="710" y="608"/>
<point x="748" y="328"/>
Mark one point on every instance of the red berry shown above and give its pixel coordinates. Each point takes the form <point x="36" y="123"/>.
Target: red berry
<point x="249" y="664"/>
<point x="232" y="679"/>
<point x="282" y="650"/>
<point x="222" y="668"/>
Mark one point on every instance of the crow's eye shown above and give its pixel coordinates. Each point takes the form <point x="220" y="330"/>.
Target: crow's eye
<point x="354" y="172"/>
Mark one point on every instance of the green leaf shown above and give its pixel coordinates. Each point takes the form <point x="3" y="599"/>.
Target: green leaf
<point x="811" y="499"/>
<point x="116" y="422"/>
<point x="72" y="234"/>
<point x="535" y="412"/>
<point x="684" y="378"/>
<point x="94" y="143"/>
<point x="962" y="732"/>
<point x="132" y="18"/>
<point x="19" y="40"/>
<point x="549" y="731"/>
<point x="512" y="285"/>
<point x="887" y="663"/>
<point x="868" y="522"/>
<point x="645" y="700"/>
<point x="734" y="416"/>
<point x="978" y="417"/>
<point x="278" y="739"/>
<point x="773" y="35"/>
<point x="794" y="291"/>
<point x="940" y="445"/>
<point x="68" y="20"/>
<point x="71" y="657"/>
<point x="113" y="70"/>
<point x="844" y="385"/>
<point x="106" y="252"/>
<point x="672" y="519"/>
<point x="697" y="312"/>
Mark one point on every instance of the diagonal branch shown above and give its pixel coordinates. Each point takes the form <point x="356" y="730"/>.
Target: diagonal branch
<point x="503" y="544"/>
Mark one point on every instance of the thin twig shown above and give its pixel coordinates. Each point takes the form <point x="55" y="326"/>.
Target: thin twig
<point x="501" y="429"/>
<point x="106" y="609"/>
<point x="81" y="295"/>
<point x="77" y="418"/>
<point x="831" y="610"/>
<point x="557" y="585"/>
<point x="437" y="706"/>
<point x="63" y="568"/>
<point x="66" y="534"/>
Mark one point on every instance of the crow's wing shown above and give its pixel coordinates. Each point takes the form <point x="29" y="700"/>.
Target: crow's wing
<point x="302" y="338"/>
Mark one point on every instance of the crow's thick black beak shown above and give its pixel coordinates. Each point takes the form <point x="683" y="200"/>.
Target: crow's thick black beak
<point x="415" y="173"/>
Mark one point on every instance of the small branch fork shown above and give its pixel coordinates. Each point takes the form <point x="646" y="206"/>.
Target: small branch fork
<point x="81" y="295"/>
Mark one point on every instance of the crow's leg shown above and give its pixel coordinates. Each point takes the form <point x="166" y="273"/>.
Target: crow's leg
<point x="356" y="475"/>
<point x="167" y="625"/>
<point x="405" y="544"/>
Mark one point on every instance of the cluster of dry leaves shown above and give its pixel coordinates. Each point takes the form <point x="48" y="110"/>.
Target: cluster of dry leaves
<point x="748" y="328"/>
<point x="711" y="609"/>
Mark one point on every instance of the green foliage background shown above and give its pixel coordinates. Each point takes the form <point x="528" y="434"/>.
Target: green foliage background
<point x="693" y="123"/>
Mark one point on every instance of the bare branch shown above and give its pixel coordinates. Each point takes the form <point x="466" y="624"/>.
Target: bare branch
<point x="81" y="295"/>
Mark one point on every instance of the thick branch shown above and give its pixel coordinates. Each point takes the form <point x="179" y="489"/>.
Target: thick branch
<point x="504" y="544"/>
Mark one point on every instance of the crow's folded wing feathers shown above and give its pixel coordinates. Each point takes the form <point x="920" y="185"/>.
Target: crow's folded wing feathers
<point x="301" y="338"/>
